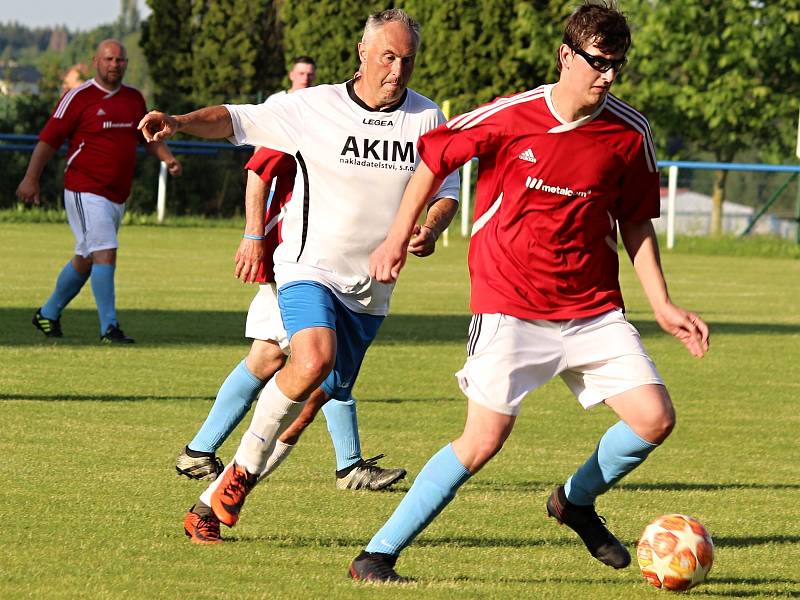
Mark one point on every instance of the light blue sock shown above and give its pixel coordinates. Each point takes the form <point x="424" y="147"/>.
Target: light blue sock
<point x="343" y="427"/>
<point x="104" y="296"/>
<point x="68" y="283"/>
<point x="619" y="452"/>
<point x="433" y="489"/>
<point x="233" y="401"/>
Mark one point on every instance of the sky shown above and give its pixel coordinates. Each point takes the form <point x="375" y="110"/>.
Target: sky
<point x="75" y="14"/>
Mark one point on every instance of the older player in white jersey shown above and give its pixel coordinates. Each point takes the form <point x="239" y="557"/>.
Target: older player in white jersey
<point x="355" y="144"/>
<point x="270" y="346"/>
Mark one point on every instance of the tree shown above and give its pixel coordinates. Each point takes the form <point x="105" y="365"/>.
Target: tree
<point x="167" y="44"/>
<point x="229" y="50"/>
<point x="720" y="77"/>
<point x="471" y="51"/>
<point x="129" y="20"/>
<point x="326" y="30"/>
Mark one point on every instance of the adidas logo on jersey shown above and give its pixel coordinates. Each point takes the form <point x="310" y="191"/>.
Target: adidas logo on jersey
<point x="528" y="155"/>
<point x="101" y="112"/>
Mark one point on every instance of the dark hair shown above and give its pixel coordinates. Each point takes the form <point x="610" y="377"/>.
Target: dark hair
<point x="598" y="23"/>
<point x="306" y="60"/>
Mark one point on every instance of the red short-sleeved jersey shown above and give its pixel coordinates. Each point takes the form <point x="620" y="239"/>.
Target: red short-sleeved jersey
<point x="101" y="127"/>
<point x="268" y="165"/>
<point x="549" y="195"/>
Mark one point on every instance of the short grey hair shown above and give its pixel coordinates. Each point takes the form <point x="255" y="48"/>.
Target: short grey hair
<point x="393" y="15"/>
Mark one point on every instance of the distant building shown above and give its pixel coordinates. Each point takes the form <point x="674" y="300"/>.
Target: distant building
<point x="693" y="217"/>
<point x="58" y="39"/>
<point x="18" y="79"/>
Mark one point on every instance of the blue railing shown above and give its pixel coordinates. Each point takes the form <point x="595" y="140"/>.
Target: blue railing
<point x="24" y="142"/>
<point x="16" y="142"/>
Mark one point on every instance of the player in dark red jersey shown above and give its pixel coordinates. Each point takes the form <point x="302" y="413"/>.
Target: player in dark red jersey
<point x="99" y="119"/>
<point x="562" y="169"/>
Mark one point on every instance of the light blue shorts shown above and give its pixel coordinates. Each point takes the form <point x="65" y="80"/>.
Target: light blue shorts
<point x="307" y="304"/>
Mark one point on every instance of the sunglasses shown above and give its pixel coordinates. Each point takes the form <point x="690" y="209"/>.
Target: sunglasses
<point x="598" y="63"/>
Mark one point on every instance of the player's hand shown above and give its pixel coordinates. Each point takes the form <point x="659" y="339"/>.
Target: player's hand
<point x="249" y="257"/>
<point x="423" y="241"/>
<point x="387" y="260"/>
<point x="174" y="167"/>
<point x="687" y="326"/>
<point x="28" y="191"/>
<point x="157" y="126"/>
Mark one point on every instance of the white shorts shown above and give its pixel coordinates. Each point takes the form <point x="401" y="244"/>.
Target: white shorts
<point x="94" y="220"/>
<point x="264" y="318"/>
<point x="597" y="357"/>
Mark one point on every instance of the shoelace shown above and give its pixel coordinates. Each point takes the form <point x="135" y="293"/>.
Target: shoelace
<point x="372" y="463"/>
<point x="238" y="486"/>
<point x="209" y="525"/>
<point x="235" y="488"/>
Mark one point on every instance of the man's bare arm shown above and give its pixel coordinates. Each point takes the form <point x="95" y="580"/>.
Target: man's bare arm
<point x="388" y="259"/>
<point x="212" y="122"/>
<point x="162" y="152"/>
<point x="440" y="214"/>
<point x="250" y="254"/>
<point x="642" y="247"/>
<point x="28" y="188"/>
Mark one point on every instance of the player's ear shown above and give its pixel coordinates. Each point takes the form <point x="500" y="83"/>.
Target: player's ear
<point x="564" y="52"/>
<point x="362" y="52"/>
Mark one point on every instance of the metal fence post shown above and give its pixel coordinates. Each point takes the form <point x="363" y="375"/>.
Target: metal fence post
<point x="672" y="192"/>
<point x="466" y="182"/>
<point x="161" y="204"/>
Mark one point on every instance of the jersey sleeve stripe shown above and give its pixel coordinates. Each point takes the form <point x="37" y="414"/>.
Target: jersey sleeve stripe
<point x="462" y="121"/>
<point x="63" y="105"/>
<point x="639" y="123"/>
<point x="496" y="109"/>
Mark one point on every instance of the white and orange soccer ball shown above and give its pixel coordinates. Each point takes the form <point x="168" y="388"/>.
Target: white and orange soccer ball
<point x="675" y="552"/>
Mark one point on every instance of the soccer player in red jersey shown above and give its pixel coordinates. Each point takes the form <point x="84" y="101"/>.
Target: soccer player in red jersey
<point x="562" y="169"/>
<point x="99" y="118"/>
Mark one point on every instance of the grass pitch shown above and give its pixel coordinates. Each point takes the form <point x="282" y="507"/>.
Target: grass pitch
<point x="91" y="506"/>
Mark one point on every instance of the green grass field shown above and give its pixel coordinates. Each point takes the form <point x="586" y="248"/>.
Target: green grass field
<point x="91" y="507"/>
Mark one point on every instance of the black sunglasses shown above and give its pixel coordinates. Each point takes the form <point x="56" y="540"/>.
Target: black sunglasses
<point x="598" y="63"/>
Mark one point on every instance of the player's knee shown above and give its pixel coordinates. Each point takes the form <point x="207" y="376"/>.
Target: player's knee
<point x="264" y="360"/>
<point x="480" y="451"/>
<point x="313" y="367"/>
<point x="660" y="425"/>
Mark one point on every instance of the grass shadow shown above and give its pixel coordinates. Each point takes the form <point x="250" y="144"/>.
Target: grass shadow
<point x="151" y="327"/>
<point x="98" y="397"/>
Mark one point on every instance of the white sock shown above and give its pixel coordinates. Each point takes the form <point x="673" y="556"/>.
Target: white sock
<point x="274" y="412"/>
<point x="278" y="455"/>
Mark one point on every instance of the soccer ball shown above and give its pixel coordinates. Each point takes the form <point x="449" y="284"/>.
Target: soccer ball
<point x="675" y="552"/>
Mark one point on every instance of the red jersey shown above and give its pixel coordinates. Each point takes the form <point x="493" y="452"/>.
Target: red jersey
<point x="549" y="195"/>
<point x="101" y="127"/>
<point x="268" y="165"/>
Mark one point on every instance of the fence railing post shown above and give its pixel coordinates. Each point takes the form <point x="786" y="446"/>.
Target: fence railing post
<point x="161" y="203"/>
<point x="672" y="192"/>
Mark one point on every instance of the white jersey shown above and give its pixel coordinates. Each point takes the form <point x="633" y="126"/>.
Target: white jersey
<point x="354" y="165"/>
<point x="276" y="95"/>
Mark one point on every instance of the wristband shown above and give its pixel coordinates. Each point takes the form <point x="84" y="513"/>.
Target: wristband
<point x="258" y="238"/>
